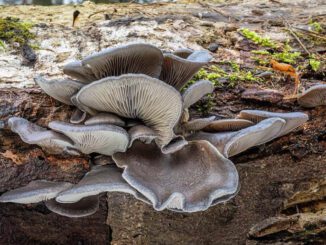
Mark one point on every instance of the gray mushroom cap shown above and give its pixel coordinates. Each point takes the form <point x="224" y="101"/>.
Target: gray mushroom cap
<point x="105" y="118"/>
<point x="188" y="180"/>
<point x="133" y="58"/>
<point x="196" y="91"/>
<point x="78" y="116"/>
<point x="100" y="179"/>
<point x="154" y="102"/>
<point x="48" y="140"/>
<point x="293" y="119"/>
<point x="85" y="207"/>
<point x="183" y="53"/>
<point x="60" y="89"/>
<point x="82" y="107"/>
<point x="227" y="125"/>
<point x="103" y="139"/>
<point x="175" y="145"/>
<point x="76" y="70"/>
<point x="197" y="124"/>
<point x="314" y="96"/>
<point x="142" y="133"/>
<point x="177" y="71"/>
<point x="36" y="191"/>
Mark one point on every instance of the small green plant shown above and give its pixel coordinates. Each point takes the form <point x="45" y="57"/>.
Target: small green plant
<point x="257" y="39"/>
<point x="13" y="30"/>
<point x="314" y="63"/>
<point x="316" y="26"/>
<point x="206" y="105"/>
<point x="2" y="44"/>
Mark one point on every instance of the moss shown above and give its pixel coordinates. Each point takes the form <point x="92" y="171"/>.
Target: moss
<point x="316" y="26"/>
<point x="314" y="63"/>
<point x="13" y="30"/>
<point x="257" y="39"/>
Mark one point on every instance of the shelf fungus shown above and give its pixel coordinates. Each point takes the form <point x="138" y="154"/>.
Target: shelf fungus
<point x="132" y="118"/>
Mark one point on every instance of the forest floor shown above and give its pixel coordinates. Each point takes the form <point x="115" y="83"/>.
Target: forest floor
<point x="283" y="183"/>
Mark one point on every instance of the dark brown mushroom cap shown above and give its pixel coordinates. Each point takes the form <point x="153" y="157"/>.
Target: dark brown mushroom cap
<point x="197" y="124"/>
<point x="36" y="191"/>
<point x="133" y="58"/>
<point x="82" y="73"/>
<point x="227" y="125"/>
<point x="154" y="102"/>
<point x="177" y="71"/>
<point x="188" y="180"/>
<point x="293" y="119"/>
<point x="50" y="141"/>
<point x="100" y="179"/>
<point x="258" y="134"/>
<point x="105" y="118"/>
<point x="196" y="91"/>
<point x="85" y="207"/>
<point x="103" y="139"/>
<point x="60" y="89"/>
<point x="314" y="96"/>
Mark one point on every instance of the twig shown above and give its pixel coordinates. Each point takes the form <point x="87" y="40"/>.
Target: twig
<point x="312" y="33"/>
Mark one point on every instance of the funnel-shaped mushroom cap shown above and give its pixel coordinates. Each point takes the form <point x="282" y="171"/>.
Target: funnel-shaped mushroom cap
<point x="157" y="104"/>
<point x="314" y="96"/>
<point x="105" y="118"/>
<point x="142" y="133"/>
<point x="60" y="89"/>
<point x="189" y="180"/>
<point x="293" y="119"/>
<point x="258" y="134"/>
<point x="50" y="141"/>
<point x="133" y="58"/>
<point x="76" y="70"/>
<point x="218" y="140"/>
<point x="227" y="125"/>
<point x="175" y="145"/>
<point x="78" y="116"/>
<point x="103" y="139"/>
<point x="99" y="179"/>
<point x="196" y="91"/>
<point x="183" y="53"/>
<point x="85" y="207"/>
<point x="198" y="124"/>
<point x="35" y="191"/>
<point x="177" y="71"/>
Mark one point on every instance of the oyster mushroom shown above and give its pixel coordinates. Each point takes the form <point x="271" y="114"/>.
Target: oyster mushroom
<point x="142" y="133"/>
<point x="48" y="140"/>
<point x="36" y="191"/>
<point x="175" y="145"/>
<point x="177" y="71"/>
<point x="197" y="124"/>
<point x="292" y="119"/>
<point x="189" y="180"/>
<point x="227" y="125"/>
<point x="85" y="207"/>
<point x="103" y="139"/>
<point x="82" y="107"/>
<point x="154" y="102"/>
<point x="314" y="96"/>
<point x="105" y="118"/>
<point x="183" y="53"/>
<point x="60" y="89"/>
<point x="78" y="116"/>
<point x="100" y="179"/>
<point x="82" y="73"/>
<point x="196" y="91"/>
<point x="133" y="58"/>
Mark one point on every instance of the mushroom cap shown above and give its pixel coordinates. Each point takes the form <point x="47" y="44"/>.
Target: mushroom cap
<point x="314" y="96"/>
<point x="218" y="140"/>
<point x="142" y="133"/>
<point x="82" y="107"/>
<point x="85" y="207"/>
<point x="103" y="139"/>
<point x="258" y="134"/>
<point x="189" y="180"/>
<point x="196" y="91"/>
<point x="227" y="125"/>
<point x="136" y="58"/>
<point x="183" y="53"/>
<point x="177" y="71"/>
<point x="175" y="145"/>
<point x="82" y="73"/>
<point x="50" y="141"/>
<point x="78" y="116"/>
<point x="157" y="104"/>
<point x="293" y="119"/>
<point x="59" y="89"/>
<point x="36" y="191"/>
<point x="100" y="179"/>
<point x="105" y="118"/>
<point x="197" y="124"/>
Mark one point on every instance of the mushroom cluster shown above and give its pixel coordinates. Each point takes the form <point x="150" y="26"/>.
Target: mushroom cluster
<point x="130" y="114"/>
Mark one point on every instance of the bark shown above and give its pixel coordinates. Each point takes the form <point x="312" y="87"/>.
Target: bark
<point x="273" y="177"/>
